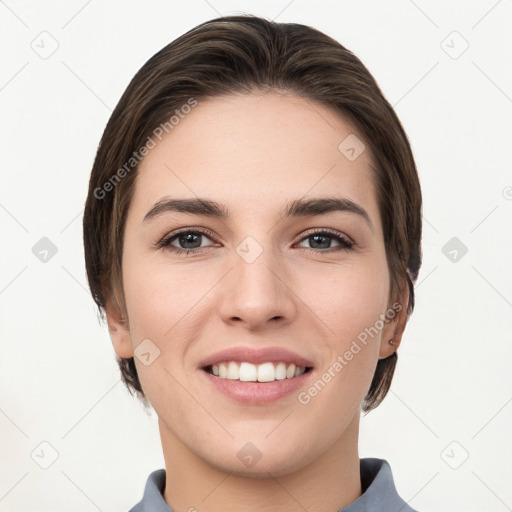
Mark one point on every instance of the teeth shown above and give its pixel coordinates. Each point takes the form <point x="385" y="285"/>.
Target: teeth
<point x="280" y="371"/>
<point x="248" y="372"/>
<point x="266" y="372"/>
<point x="233" y="372"/>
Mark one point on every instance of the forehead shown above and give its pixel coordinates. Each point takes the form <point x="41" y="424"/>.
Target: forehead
<point x="255" y="150"/>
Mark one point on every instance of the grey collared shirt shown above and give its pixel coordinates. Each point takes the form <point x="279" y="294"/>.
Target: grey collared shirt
<point x="379" y="492"/>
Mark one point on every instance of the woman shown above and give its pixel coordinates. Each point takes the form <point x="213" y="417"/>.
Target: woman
<point x="252" y="234"/>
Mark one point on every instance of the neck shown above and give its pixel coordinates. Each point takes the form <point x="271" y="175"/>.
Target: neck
<point x="192" y="484"/>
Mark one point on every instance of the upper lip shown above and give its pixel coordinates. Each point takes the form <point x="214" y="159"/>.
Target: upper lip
<point x="256" y="356"/>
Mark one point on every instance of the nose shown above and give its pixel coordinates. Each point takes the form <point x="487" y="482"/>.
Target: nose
<point x="257" y="293"/>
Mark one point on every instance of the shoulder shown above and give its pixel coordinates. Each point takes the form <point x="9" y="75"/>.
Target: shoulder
<point x="379" y="493"/>
<point x="153" y="500"/>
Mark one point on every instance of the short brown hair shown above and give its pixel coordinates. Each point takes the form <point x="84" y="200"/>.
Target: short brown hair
<point x="242" y="54"/>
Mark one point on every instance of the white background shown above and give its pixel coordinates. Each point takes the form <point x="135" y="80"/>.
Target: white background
<point x="59" y="383"/>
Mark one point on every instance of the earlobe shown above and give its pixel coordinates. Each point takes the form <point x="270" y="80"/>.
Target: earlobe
<point x="118" y="330"/>
<point x="393" y="330"/>
<point x="387" y="348"/>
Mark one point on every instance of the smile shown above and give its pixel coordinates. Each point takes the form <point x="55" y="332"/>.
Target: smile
<point x="249" y="372"/>
<point x="256" y="375"/>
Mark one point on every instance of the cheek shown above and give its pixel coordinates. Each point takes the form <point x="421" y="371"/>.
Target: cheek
<point x="166" y="305"/>
<point x="159" y="296"/>
<point x="163" y="305"/>
<point x="350" y="302"/>
<point x="347" y="299"/>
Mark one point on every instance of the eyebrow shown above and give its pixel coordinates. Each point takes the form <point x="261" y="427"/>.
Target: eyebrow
<point x="295" y="208"/>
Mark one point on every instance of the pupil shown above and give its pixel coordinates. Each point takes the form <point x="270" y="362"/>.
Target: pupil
<point x="188" y="239"/>
<point x="316" y="237"/>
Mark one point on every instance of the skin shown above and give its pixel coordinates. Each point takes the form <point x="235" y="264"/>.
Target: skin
<point x="254" y="153"/>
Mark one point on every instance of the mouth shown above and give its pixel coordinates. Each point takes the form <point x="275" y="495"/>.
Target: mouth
<point x="251" y="375"/>
<point x="245" y="371"/>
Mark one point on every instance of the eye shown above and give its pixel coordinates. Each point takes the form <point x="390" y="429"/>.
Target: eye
<point x="188" y="240"/>
<point x="323" y="238"/>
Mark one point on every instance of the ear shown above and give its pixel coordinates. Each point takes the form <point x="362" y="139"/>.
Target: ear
<point x="395" y="324"/>
<point x="118" y="329"/>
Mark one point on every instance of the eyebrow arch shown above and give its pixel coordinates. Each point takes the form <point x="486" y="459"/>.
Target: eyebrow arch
<point x="295" y="208"/>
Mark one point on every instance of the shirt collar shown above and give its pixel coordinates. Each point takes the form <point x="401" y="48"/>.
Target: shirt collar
<point x="379" y="492"/>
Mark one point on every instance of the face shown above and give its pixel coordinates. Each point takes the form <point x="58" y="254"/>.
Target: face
<point x="251" y="323"/>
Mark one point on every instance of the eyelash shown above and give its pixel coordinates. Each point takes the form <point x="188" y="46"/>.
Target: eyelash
<point x="345" y="243"/>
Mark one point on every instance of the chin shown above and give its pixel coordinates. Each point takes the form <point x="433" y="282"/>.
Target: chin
<point x="248" y="461"/>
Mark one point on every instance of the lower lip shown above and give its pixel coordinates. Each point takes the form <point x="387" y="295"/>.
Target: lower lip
<point x="257" y="392"/>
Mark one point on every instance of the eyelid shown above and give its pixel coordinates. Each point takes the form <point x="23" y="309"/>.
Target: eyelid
<point x="165" y="241"/>
<point x="336" y="233"/>
<point x="347" y="242"/>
